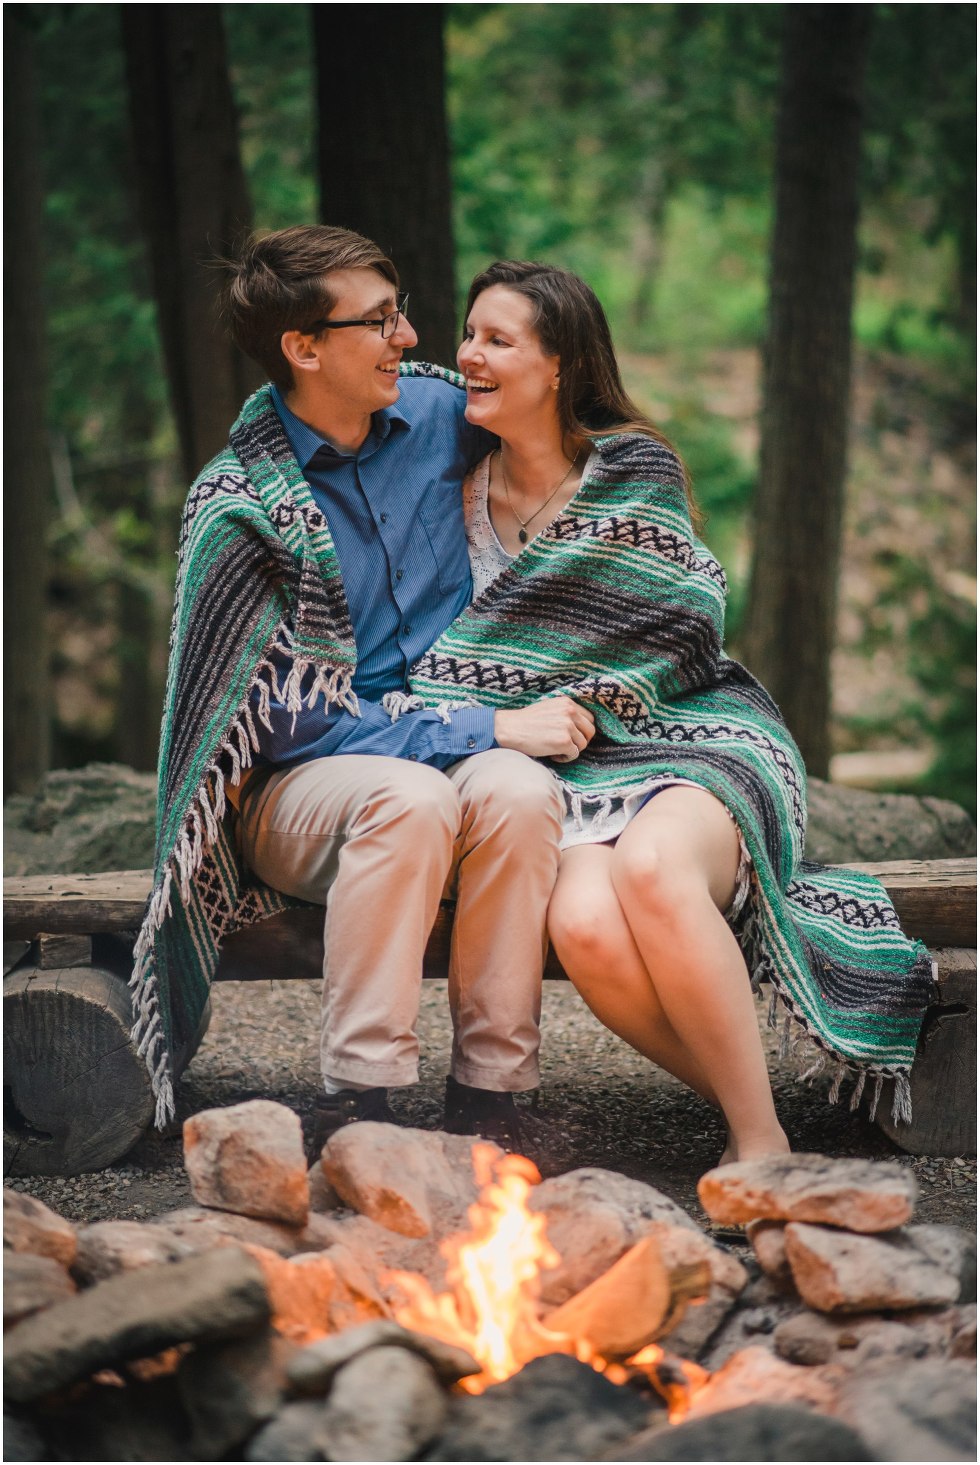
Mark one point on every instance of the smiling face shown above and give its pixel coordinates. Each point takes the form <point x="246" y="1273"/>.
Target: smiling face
<point x="354" y="371"/>
<point x="510" y="383"/>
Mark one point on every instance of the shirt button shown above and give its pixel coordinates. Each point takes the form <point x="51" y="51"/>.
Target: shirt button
<point x="406" y="630"/>
<point x="384" y="518"/>
<point x="471" y="742"/>
<point x="398" y="574"/>
<point x="413" y="757"/>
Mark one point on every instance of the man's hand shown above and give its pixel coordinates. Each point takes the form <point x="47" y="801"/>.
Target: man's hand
<point x="555" y="727"/>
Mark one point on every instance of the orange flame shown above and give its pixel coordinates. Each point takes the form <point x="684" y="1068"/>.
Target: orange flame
<point x="494" y="1275"/>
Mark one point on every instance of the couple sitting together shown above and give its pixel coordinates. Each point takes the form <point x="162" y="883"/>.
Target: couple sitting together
<point x="453" y="636"/>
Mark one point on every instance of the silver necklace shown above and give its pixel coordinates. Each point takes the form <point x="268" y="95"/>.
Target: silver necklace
<point x="522" y="531"/>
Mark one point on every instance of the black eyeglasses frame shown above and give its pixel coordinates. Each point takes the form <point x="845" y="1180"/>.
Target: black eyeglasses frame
<point x="381" y="321"/>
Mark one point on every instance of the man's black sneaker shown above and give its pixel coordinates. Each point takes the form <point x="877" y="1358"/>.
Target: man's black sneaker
<point x="493" y="1115"/>
<point x="334" y="1111"/>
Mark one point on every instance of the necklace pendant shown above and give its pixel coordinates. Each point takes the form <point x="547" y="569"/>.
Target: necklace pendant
<point x="522" y="535"/>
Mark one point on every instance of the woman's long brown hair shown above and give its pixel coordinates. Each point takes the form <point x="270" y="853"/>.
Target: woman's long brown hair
<point x="571" y="324"/>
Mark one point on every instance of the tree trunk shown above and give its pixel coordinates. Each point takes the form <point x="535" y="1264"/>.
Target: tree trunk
<point x="194" y="205"/>
<point x="807" y="365"/>
<point x="384" y="164"/>
<point x="26" y="459"/>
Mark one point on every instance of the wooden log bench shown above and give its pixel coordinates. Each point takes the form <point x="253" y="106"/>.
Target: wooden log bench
<point x="77" y="1096"/>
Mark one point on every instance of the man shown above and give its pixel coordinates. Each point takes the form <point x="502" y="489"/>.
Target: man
<point x="364" y="805"/>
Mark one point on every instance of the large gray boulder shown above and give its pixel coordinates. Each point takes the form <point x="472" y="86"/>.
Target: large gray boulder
<point x="82" y="820"/>
<point x="852" y="825"/>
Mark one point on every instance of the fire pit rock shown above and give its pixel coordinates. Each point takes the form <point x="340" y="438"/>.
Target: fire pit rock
<point x="228" y="1390"/>
<point x="249" y="1158"/>
<point x="760" y="1432"/>
<point x="133" y="1316"/>
<point x="923" y="1411"/>
<point x="31" y="1283"/>
<point x="28" y="1225"/>
<point x="108" y="1247"/>
<point x="593" y="1217"/>
<point x="860" y="1195"/>
<point x="385" y="1404"/>
<point x="839" y="1271"/>
<point x="313" y="1368"/>
<point x="412" y="1181"/>
<point x="812" y="1338"/>
<point x="554" y="1409"/>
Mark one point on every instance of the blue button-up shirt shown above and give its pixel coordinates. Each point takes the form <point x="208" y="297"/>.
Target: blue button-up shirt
<point x="395" y="513"/>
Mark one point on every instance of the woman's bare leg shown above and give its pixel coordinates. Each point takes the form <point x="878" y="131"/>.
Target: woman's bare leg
<point x="673" y="872"/>
<point x="595" y="946"/>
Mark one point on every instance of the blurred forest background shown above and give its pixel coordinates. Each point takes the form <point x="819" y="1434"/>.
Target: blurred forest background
<point x="640" y="145"/>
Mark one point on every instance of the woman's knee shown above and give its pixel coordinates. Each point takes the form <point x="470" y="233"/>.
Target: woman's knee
<point x="645" y="872"/>
<point x="582" y="925"/>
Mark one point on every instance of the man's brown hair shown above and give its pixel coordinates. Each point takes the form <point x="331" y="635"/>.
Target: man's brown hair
<point x="279" y="282"/>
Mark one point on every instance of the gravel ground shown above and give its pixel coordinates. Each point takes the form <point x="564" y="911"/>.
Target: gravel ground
<point x="607" y="1107"/>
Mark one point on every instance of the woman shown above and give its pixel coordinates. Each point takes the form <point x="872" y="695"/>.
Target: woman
<point x="686" y="810"/>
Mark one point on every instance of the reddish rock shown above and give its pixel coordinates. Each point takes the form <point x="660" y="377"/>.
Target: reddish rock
<point x="356" y="1299"/>
<point x="31" y="1283"/>
<point x="249" y="1159"/>
<point x="411" y="1181"/>
<point x="768" y="1240"/>
<point x="299" y="1298"/>
<point x="28" y="1225"/>
<point x="755" y="1375"/>
<point x="860" y="1195"/>
<point x="316" y="1293"/>
<point x="964" y="1344"/>
<point x="837" y="1271"/>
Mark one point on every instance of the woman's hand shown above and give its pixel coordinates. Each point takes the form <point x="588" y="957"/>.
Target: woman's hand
<point x="555" y="727"/>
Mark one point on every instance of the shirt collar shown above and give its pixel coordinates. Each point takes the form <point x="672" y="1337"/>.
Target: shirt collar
<point x="306" y="442"/>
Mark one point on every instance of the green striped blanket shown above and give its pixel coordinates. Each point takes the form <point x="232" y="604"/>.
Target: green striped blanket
<point x="257" y="571"/>
<point x="619" y="606"/>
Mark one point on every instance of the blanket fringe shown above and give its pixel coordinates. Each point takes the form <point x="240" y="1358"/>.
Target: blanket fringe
<point x="200" y="830"/>
<point x="396" y="704"/>
<point x="795" y="1032"/>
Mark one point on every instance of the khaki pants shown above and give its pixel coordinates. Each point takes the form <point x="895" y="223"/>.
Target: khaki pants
<point x="379" y="842"/>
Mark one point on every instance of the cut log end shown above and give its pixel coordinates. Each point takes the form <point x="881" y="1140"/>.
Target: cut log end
<point x="76" y="1094"/>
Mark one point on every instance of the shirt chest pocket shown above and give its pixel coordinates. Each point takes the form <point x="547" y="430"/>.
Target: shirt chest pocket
<point x="442" y="519"/>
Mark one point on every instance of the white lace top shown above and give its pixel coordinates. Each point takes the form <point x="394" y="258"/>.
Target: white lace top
<point x="488" y="558"/>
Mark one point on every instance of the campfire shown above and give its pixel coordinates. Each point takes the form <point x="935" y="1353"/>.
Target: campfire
<point x="415" y="1296"/>
<point x="492" y="1308"/>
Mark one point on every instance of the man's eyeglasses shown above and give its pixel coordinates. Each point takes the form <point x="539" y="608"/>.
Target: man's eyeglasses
<point x="386" y="324"/>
